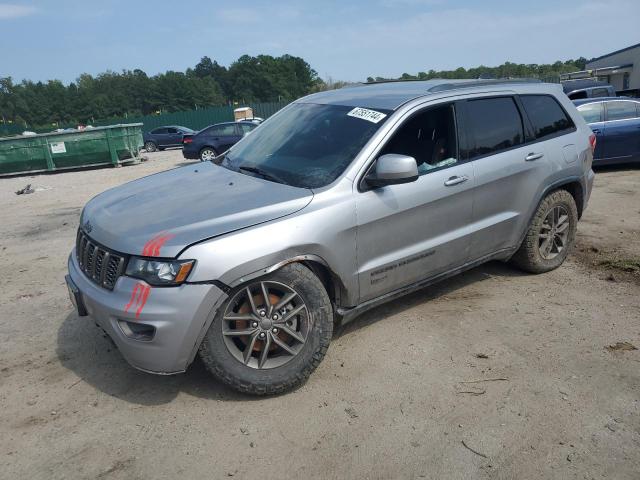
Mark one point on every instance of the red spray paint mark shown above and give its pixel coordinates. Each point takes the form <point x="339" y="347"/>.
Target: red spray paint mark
<point x="139" y="296"/>
<point x="153" y="246"/>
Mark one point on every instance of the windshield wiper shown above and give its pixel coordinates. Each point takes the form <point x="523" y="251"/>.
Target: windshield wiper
<point x="262" y="173"/>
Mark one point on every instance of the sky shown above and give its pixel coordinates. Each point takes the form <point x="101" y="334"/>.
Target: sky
<point x="341" y="40"/>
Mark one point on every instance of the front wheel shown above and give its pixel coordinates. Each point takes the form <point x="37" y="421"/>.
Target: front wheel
<point x="207" y="154"/>
<point x="551" y="234"/>
<point x="150" y="147"/>
<point x="271" y="334"/>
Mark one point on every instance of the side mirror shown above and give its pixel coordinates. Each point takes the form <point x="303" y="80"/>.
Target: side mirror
<point x="393" y="169"/>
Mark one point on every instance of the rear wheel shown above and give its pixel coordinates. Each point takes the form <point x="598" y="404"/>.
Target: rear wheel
<point x="150" y="147"/>
<point x="551" y="234"/>
<point x="271" y="333"/>
<point x="207" y="154"/>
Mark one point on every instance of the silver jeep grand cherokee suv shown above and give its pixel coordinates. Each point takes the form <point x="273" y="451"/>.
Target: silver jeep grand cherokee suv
<point x="341" y="201"/>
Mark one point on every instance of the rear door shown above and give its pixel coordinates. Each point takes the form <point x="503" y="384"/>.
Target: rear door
<point x="416" y="230"/>
<point x="622" y="130"/>
<point x="593" y="114"/>
<point x="511" y="164"/>
<point x="223" y="136"/>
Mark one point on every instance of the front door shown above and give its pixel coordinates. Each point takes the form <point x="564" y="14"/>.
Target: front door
<point x="412" y="231"/>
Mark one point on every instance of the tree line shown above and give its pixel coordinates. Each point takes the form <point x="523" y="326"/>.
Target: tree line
<point x="134" y="93"/>
<point x="249" y="79"/>
<point x="548" y="71"/>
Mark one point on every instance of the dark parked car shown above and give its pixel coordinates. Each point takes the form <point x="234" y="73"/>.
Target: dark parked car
<point x="587" y="88"/>
<point x="616" y="123"/>
<point x="163" y="137"/>
<point x="210" y="142"/>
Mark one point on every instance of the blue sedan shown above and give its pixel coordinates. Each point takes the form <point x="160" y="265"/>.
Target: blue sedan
<point x="165" y="137"/>
<point x="210" y="142"/>
<point x="616" y="123"/>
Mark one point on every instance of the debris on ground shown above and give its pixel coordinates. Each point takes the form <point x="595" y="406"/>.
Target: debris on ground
<point x="351" y="412"/>
<point x="473" y="392"/>
<point x="621" y="347"/>
<point x="481" y="355"/>
<point x="26" y="190"/>
<point x="500" y="379"/>
<point x="625" y="264"/>
<point x="473" y="450"/>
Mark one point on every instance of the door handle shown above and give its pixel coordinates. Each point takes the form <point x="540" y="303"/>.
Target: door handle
<point x="596" y="131"/>
<point x="455" y="181"/>
<point x="533" y="156"/>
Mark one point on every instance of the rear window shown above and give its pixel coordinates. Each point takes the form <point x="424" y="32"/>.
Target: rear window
<point x="620" y="110"/>
<point x="495" y="125"/>
<point x="592" y="112"/>
<point x="546" y="115"/>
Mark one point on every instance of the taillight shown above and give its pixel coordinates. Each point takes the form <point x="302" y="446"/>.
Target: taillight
<point x="187" y="140"/>
<point x="592" y="142"/>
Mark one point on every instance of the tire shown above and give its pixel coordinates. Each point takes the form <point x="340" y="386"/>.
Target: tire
<point x="150" y="146"/>
<point x="225" y="354"/>
<point x="547" y="243"/>
<point x="207" y="154"/>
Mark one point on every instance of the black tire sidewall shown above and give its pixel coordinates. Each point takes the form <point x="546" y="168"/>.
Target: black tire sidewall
<point x="230" y="370"/>
<point x="528" y="256"/>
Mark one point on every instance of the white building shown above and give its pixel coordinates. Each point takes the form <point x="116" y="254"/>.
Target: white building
<point x="620" y="68"/>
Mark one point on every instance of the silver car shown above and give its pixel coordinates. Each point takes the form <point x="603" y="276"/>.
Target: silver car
<point x="339" y="202"/>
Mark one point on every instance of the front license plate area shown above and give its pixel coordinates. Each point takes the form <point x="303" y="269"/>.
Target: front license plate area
<point x="76" y="297"/>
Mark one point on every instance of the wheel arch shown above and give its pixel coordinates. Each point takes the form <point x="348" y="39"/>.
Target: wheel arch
<point x="320" y="267"/>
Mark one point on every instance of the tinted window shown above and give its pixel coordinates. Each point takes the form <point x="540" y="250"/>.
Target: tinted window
<point x="495" y="124"/>
<point x="578" y="95"/>
<point x="306" y="145"/>
<point x="600" y="92"/>
<point x="546" y="115"/>
<point x="172" y="130"/>
<point x="222" y="130"/>
<point x="158" y="131"/>
<point x="592" y="112"/>
<point x="619" y="110"/>
<point x="429" y="137"/>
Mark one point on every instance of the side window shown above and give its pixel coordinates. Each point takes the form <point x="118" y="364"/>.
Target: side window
<point x="592" y="112"/>
<point x="429" y="137"/>
<point x="546" y="115"/>
<point x="600" y="92"/>
<point x="620" y="110"/>
<point x="245" y="128"/>
<point x="222" y="131"/>
<point x="159" y="131"/>
<point x="172" y="130"/>
<point x="578" y="95"/>
<point x="494" y="125"/>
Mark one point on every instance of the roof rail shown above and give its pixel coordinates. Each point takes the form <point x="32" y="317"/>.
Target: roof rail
<point x="457" y="84"/>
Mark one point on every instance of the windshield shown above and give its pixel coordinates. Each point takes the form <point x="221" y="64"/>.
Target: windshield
<point x="306" y="145"/>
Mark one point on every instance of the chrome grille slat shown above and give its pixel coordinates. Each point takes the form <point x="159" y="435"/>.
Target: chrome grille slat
<point x="101" y="265"/>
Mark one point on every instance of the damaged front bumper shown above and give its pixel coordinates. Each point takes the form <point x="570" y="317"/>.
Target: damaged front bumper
<point x="157" y="329"/>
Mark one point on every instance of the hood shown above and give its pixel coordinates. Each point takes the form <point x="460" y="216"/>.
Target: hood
<point x="161" y="214"/>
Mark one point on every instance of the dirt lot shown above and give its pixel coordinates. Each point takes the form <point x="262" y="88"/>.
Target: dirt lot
<point x="389" y="400"/>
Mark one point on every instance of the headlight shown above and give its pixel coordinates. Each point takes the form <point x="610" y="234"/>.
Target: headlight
<point x="158" y="273"/>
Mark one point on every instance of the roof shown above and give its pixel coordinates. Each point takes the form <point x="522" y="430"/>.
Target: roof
<point x="613" y="53"/>
<point x="579" y="84"/>
<point x="391" y="95"/>
<point x="582" y="101"/>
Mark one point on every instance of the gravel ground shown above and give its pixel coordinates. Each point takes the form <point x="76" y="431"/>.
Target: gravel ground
<point x="389" y="400"/>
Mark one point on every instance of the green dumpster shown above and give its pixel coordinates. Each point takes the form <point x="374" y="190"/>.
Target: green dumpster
<point x="113" y="145"/>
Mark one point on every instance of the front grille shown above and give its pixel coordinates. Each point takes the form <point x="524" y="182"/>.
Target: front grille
<point x="101" y="265"/>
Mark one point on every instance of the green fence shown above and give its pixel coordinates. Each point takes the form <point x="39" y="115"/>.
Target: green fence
<point x="195" y="119"/>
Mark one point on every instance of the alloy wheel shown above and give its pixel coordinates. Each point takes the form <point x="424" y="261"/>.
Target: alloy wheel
<point x="207" y="155"/>
<point x="554" y="233"/>
<point x="266" y="325"/>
